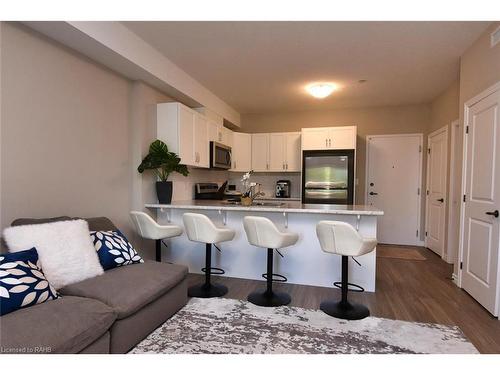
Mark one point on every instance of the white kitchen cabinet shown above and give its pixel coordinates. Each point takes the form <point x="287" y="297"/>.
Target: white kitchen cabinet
<point x="227" y="136"/>
<point x="220" y="134"/>
<point x="293" y="153"/>
<point x="334" y="138"/>
<point x="201" y="142"/>
<point x="213" y="131"/>
<point x="241" y="154"/>
<point x="276" y="152"/>
<point x="185" y="132"/>
<point x="284" y="152"/>
<point x="260" y="152"/>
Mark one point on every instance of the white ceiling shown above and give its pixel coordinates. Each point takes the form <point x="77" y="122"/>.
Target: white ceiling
<point x="259" y="67"/>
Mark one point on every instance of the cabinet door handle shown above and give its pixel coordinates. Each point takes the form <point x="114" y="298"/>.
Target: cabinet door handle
<point x="267" y="166"/>
<point x="330" y="142"/>
<point x="326" y="142"/>
<point x="286" y="166"/>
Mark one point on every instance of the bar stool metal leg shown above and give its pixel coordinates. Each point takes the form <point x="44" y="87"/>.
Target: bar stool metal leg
<point x="268" y="297"/>
<point x="344" y="309"/>
<point x="208" y="289"/>
<point x="158" y="250"/>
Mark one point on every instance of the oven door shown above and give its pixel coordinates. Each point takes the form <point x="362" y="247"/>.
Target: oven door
<point x="220" y="156"/>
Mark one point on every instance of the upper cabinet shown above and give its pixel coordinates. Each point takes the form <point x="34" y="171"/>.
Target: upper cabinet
<point x="219" y="133"/>
<point x="284" y="152"/>
<point x="335" y="138"/>
<point x="241" y="152"/>
<point x="260" y="152"/>
<point x="185" y="132"/>
<point x="276" y="152"/>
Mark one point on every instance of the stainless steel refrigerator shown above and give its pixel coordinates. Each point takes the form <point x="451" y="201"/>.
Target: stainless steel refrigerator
<point x="328" y="176"/>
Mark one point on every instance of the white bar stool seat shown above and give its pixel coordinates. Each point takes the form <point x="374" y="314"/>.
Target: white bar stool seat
<point x="262" y="232"/>
<point x="337" y="237"/>
<point x="199" y="228"/>
<point x="148" y="228"/>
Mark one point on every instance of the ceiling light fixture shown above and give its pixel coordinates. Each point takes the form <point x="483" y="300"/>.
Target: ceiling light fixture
<point x="321" y="90"/>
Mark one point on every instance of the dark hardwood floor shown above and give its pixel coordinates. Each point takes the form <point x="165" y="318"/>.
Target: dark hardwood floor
<point x="419" y="291"/>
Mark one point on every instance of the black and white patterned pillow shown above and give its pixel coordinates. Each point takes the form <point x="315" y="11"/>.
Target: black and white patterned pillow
<point x="22" y="282"/>
<point x="113" y="249"/>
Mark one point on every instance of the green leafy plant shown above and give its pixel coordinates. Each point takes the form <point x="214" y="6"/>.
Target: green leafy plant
<point x="162" y="161"/>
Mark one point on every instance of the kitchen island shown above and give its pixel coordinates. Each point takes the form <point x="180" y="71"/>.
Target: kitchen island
<point x="304" y="263"/>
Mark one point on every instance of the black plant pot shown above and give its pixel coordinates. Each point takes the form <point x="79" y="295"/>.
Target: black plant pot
<point x="164" y="191"/>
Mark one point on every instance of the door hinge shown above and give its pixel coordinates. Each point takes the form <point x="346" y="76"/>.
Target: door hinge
<point x="417" y="232"/>
<point x="418" y="191"/>
<point x="467" y="129"/>
<point x="425" y="233"/>
<point x="464" y="198"/>
<point x="428" y="150"/>
<point x="427" y="192"/>
<point x="419" y="148"/>
<point x="461" y="265"/>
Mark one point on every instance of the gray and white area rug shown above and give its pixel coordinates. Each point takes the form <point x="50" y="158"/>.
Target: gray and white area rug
<point x="220" y="325"/>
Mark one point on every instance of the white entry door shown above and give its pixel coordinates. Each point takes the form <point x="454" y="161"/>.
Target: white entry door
<point x="482" y="202"/>
<point x="435" y="207"/>
<point x="393" y="179"/>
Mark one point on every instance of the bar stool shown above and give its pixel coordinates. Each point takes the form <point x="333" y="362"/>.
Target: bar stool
<point x="337" y="237"/>
<point x="148" y="228"/>
<point x="262" y="232"/>
<point x="199" y="228"/>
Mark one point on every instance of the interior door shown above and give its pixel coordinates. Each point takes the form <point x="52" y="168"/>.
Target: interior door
<point x="436" y="197"/>
<point x="393" y="185"/>
<point x="276" y="152"/>
<point x="482" y="191"/>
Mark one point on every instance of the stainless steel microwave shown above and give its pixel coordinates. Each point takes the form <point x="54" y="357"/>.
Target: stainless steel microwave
<point x="220" y="156"/>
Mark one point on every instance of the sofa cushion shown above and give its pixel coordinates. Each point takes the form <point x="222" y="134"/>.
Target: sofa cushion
<point x="95" y="223"/>
<point x="127" y="289"/>
<point x="113" y="249"/>
<point x="22" y="282"/>
<point x="64" y="325"/>
<point x="65" y="249"/>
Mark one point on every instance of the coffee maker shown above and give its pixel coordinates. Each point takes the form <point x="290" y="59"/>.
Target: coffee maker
<point x="283" y="188"/>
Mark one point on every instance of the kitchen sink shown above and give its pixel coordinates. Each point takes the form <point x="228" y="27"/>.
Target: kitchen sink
<point x="268" y="204"/>
<point x="258" y="204"/>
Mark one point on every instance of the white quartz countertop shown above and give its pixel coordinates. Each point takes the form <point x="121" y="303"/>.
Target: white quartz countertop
<point x="291" y="207"/>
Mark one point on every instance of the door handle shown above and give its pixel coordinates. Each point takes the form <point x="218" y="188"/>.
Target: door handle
<point x="440" y="200"/>
<point x="372" y="193"/>
<point x="493" y="213"/>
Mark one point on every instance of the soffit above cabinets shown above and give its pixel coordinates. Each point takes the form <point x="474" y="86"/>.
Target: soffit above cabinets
<point x="120" y="49"/>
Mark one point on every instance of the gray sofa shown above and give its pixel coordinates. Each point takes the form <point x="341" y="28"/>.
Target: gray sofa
<point x="110" y="313"/>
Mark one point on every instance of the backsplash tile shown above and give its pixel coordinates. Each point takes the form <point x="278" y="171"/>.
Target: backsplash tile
<point x="268" y="181"/>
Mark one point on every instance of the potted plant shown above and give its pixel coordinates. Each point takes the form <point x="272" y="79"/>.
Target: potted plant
<point x="162" y="162"/>
<point x="249" y="193"/>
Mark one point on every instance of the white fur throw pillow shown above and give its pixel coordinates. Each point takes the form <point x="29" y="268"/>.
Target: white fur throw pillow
<point x="67" y="254"/>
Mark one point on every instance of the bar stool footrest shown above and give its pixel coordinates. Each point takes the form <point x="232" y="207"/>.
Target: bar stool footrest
<point x="218" y="271"/>
<point x="355" y="287"/>
<point x="276" y="277"/>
